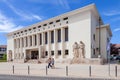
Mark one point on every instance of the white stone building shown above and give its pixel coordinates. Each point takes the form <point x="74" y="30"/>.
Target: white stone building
<point x="54" y="37"/>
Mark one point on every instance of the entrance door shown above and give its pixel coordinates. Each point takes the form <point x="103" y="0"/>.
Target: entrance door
<point x="34" y="54"/>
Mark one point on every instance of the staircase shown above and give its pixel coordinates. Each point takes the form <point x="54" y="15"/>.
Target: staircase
<point x="32" y="61"/>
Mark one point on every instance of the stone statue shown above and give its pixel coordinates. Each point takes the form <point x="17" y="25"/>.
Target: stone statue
<point x="81" y="49"/>
<point x="75" y="50"/>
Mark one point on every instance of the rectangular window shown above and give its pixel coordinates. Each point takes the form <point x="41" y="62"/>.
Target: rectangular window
<point x="45" y="37"/>
<point x="66" y="52"/>
<point x="66" y="34"/>
<point x="52" y="53"/>
<point x="46" y="53"/>
<point x="52" y="36"/>
<point x="59" y="52"/>
<point x="40" y="39"/>
<point x="94" y="37"/>
<point x="22" y="42"/>
<point x="59" y="35"/>
<point x="30" y="40"/>
<point x="94" y="51"/>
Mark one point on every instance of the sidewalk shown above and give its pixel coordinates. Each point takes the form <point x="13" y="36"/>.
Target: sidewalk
<point x="74" y="70"/>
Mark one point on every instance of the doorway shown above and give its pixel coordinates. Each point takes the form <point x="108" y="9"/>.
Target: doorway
<point x="34" y="55"/>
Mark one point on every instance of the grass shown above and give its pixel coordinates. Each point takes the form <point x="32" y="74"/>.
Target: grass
<point x="2" y="60"/>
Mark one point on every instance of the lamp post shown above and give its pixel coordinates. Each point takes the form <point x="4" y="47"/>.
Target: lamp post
<point x="99" y="37"/>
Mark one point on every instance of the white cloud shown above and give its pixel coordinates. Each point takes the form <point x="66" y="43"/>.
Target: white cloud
<point x="63" y="3"/>
<point x="6" y="25"/>
<point x="111" y="13"/>
<point x="26" y="16"/>
<point x="117" y="29"/>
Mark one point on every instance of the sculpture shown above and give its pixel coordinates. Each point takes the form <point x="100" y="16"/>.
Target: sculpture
<point x="81" y="49"/>
<point x="75" y="50"/>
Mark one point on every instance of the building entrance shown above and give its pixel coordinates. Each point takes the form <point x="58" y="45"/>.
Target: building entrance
<point x="34" y="55"/>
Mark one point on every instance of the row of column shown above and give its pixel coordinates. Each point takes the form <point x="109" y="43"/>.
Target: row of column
<point x="34" y="40"/>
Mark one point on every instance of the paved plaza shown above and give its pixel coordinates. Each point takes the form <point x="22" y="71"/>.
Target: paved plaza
<point x="74" y="70"/>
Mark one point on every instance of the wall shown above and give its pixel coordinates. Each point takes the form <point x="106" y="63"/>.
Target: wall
<point x="80" y="30"/>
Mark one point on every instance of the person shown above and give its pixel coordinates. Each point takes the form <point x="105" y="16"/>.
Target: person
<point x="49" y="63"/>
<point x="52" y="63"/>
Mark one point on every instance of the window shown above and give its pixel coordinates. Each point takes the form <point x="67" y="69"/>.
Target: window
<point x="39" y="26"/>
<point x="22" y="42"/>
<point x="30" y="40"/>
<point x="94" y="51"/>
<point x="25" y="30"/>
<point x="66" y="34"/>
<point x="44" y="24"/>
<point x="65" y="18"/>
<point x="94" y="37"/>
<point x="29" y="29"/>
<point x="40" y="39"/>
<point x="59" y="35"/>
<point x="66" y="52"/>
<point x="21" y="31"/>
<point x="52" y="53"/>
<point x="45" y="37"/>
<point x="34" y="28"/>
<point x="46" y="53"/>
<point x="52" y="36"/>
<point x="57" y="21"/>
<point x="51" y="23"/>
<point x="59" y="52"/>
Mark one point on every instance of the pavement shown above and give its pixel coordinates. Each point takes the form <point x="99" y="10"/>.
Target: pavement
<point x="16" y="77"/>
<point x="97" y="72"/>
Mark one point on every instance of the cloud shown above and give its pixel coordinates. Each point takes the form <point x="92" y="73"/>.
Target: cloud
<point x="6" y="25"/>
<point x="111" y="13"/>
<point x="117" y="29"/>
<point x="26" y="16"/>
<point x="63" y="3"/>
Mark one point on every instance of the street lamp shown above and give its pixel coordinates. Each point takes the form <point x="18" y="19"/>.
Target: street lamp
<point x="100" y="21"/>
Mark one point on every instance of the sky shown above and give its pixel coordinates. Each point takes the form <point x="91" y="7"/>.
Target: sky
<point x="17" y="14"/>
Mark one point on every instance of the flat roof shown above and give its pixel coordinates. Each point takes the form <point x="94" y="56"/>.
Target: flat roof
<point x="91" y="7"/>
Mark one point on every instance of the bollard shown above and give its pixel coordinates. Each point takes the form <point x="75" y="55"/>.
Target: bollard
<point x="66" y="70"/>
<point x="115" y="71"/>
<point x="90" y="71"/>
<point x="28" y="70"/>
<point x="46" y="71"/>
<point x="13" y="69"/>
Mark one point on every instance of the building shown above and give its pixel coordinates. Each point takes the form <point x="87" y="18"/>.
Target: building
<point x="3" y="50"/>
<point x="55" y="37"/>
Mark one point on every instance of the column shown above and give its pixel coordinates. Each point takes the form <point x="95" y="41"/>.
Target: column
<point x="33" y="40"/>
<point x="42" y="47"/>
<point x="38" y="39"/>
<point x="20" y="48"/>
<point x="43" y="39"/>
<point x="62" y="42"/>
<point x="55" y="43"/>
<point x="49" y="40"/>
<point x="28" y="41"/>
<point x="24" y="42"/>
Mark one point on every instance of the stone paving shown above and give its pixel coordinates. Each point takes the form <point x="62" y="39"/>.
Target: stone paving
<point x="74" y="70"/>
<point x="14" y="77"/>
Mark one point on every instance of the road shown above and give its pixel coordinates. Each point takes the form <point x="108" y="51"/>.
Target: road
<point x="16" y="77"/>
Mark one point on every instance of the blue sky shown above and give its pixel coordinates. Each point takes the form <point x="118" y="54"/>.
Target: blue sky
<point x="16" y="14"/>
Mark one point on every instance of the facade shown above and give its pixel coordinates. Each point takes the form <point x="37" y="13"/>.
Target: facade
<point x="3" y="50"/>
<point x="55" y="37"/>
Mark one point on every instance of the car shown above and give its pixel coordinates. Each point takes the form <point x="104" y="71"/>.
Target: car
<point x="118" y="57"/>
